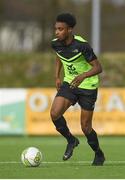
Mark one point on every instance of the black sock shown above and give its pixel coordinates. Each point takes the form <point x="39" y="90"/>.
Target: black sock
<point x="62" y="128"/>
<point x="93" y="140"/>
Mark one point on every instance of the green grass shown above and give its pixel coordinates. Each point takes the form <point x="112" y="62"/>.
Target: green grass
<point x="52" y="148"/>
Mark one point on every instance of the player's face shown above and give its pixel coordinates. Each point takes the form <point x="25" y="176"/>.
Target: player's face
<point x="62" y="31"/>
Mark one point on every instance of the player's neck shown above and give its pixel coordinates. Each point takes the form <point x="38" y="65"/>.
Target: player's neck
<point x="69" y="40"/>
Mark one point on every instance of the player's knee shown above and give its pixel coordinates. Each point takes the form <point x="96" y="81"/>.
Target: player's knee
<point x="86" y="127"/>
<point x="53" y="114"/>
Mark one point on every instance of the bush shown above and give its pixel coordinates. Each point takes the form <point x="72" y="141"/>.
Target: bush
<point x="37" y="70"/>
<point x="113" y="70"/>
<point x="26" y="70"/>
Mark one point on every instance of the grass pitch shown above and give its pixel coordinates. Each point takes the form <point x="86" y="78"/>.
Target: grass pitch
<point x="52" y="167"/>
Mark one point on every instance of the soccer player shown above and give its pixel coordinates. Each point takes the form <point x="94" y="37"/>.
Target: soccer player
<point x="80" y="84"/>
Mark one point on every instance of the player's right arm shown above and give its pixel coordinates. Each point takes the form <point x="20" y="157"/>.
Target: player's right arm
<point x="58" y="72"/>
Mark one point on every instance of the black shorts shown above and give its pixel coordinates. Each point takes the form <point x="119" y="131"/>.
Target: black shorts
<point x="86" y="98"/>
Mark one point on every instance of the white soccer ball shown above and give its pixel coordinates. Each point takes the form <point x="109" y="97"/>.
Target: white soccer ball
<point x="31" y="157"/>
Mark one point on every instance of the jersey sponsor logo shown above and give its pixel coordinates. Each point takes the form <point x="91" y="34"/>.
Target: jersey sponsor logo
<point x="72" y="70"/>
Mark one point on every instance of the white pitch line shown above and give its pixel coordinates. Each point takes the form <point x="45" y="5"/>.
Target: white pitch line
<point x="68" y="162"/>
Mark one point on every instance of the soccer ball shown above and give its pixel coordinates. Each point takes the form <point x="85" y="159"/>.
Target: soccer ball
<point x="31" y="157"/>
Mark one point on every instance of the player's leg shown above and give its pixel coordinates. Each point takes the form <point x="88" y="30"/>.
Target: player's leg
<point x="87" y="99"/>
<point x="59" y="106"/>
<point x="92" y="139"/>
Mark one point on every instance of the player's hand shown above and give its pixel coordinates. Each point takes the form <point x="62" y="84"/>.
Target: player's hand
<point x="58" y="83"/>
<point x="77" y="81"/>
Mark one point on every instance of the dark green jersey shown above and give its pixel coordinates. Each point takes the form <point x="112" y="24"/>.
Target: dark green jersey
<point x="75" y="59"/>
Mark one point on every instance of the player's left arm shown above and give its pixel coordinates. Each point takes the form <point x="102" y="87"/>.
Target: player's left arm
<point x="96" y="69"/>
<point x="92" y="60"/>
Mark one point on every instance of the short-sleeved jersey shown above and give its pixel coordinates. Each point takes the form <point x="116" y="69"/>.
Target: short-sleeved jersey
<point x="75" y="58"/>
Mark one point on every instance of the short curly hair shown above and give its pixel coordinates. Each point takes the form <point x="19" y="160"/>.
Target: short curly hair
<point x="67" y="18"/>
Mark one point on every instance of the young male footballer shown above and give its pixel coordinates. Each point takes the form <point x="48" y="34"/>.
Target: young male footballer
<point x="80" y="85"/>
